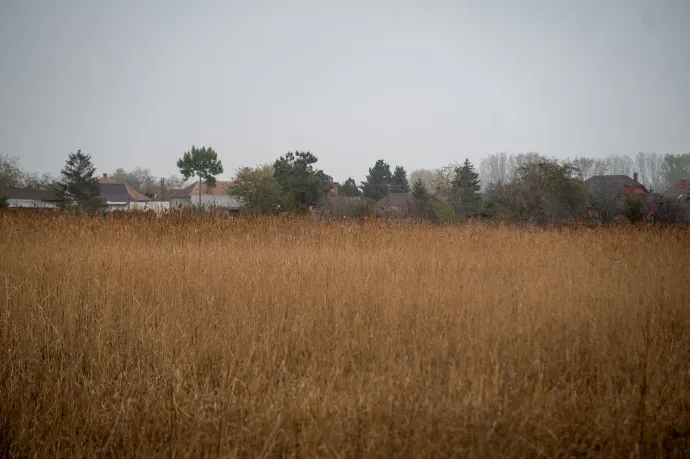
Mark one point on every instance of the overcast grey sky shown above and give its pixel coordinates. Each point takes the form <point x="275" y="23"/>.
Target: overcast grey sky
<point x="420" y="84"/>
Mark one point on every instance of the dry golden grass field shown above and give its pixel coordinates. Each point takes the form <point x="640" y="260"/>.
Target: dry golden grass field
<point x="274" y="337"/>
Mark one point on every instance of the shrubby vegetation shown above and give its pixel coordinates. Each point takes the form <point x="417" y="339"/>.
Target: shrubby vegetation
<point x="522" y="188"/>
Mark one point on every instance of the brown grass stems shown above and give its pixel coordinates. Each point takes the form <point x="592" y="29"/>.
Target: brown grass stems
<point x="191" y="336"/>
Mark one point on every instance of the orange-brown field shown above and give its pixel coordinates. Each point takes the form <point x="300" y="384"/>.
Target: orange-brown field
<point x="275" y="337"/>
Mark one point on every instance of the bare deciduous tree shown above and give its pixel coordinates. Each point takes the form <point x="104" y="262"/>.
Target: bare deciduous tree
<point x="426" y="176"/>
<point x="10" y="172"/>
<point x="619" y="165"/>
<point x="676" y="167"/>
<point x="174" y="181"/>
<point x="588" y="167"/>
<point x="496" y="169"/>
<point x="651" y="169"/>
<point x="443" y="177"/>
<point x="42" y="182"/>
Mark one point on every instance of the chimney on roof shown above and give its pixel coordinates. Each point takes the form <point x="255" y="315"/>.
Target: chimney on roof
<point x="635" y="176"/>
<point x="105" y="175"/>
<point x="335" y="189"/>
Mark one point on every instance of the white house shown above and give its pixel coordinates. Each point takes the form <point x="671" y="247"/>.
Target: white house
<point x="211" y="197"/>
<point x="30" y="199"/>
<point x="155" y="206"/>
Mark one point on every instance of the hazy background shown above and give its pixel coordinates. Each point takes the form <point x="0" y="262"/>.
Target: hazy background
<point x="420" y="84"/>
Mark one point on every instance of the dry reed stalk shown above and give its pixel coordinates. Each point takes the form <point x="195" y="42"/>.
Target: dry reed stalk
<point x="284" y="337"/>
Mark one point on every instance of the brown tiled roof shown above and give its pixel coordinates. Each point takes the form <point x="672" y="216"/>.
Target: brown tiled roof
<point x="136" y="195"/>
<point x="395" y="200"/>
<point x="678" y="190"/>
<point x="28" y="193"/>
<point x="180" y="192"/>
<point x="169" y="193"/>
<point x="336" y="204"/>
<point x="608" y="186"/>
<point x="222" y="188"/>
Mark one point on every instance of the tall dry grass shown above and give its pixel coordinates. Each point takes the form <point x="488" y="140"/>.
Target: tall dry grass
<point x="193" y="337"/>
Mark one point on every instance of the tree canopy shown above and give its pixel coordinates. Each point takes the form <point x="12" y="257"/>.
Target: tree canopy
<point x="543" y="190"/>
<point x="419" y="205"/>
<point x="378" y="180"/>
<point x="11" y="173"/>
<point x="202" y="163"/>
<point x="79" y="185"/>
<point x="139" y="178"/>
<point x="465" y="189"/>
<point x="349" y="188"/>
<point x="426" y="176"/>
<point x="258" y="189"/>
<point x="676" y="167"/>
<point x="443" y="178"/>
<point x="399" y="183"/>
<point x="301" y="183"/>
<point x="13" y="176"/>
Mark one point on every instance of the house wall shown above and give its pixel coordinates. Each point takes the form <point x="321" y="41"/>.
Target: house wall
<point x="30" y="203"/>
<point x="156" y="206"/>
<point x="393" y="210"/>
<point x="206" y="200"/>
<point x="636" y="190"/>
<point x="222" y="201"/>
<point x="114" y="207"/>
<point x="175" y="202"/>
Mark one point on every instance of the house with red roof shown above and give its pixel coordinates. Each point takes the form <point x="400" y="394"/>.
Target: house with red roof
<point x="678" y="195"/>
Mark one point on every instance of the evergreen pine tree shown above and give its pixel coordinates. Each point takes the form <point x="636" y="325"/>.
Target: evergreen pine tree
<point x="203" y="163"/>
<point x="378" y="180"/>
<point x="303" y="185"/>
<point x="465" y="188"/>
<point x="349" y="188"/>
<point x="399" y="183"/>
<point x="79" y="184"/>
<point x="421" y="199"/>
